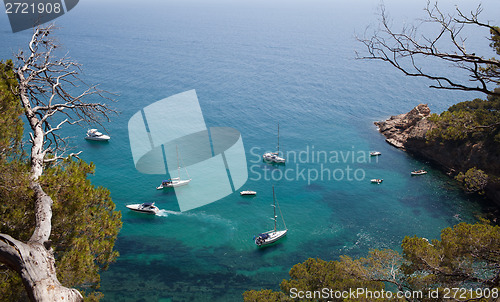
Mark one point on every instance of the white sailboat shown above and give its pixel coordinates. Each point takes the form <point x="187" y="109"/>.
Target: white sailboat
<point x="272" y="235"/>
<point x="273" y="157"/>
<point x="176" y="181"/>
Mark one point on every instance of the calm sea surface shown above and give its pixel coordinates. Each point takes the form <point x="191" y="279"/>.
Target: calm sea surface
<point x="254" y="64"/>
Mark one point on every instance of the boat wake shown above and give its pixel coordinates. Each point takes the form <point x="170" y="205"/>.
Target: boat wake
<point x="165" y="213"/>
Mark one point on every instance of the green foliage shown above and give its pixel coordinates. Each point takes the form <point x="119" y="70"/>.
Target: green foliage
<point x="472" y="121"/>
<point x="495" y="39"/>
<point x="467" y="256"/>
<point x="265" y="295"/>
<point x="314" y="275"/>
<point x="11" y="126"/>
<point x="469" y="123"/>
<point x="473" y="181"/>
<point x="84" y="222"/>
<point x="456" y="126"/>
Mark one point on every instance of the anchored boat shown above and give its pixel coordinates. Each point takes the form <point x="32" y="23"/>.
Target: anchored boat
<point x="176" y="181"/>
<point x="94" y="135"/>
<point x="274" y="234"/>
<point x="273" y="157"/>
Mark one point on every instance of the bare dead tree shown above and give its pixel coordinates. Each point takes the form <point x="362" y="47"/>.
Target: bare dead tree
<point x="45" y="91"/>
<point x="404" y="49"/>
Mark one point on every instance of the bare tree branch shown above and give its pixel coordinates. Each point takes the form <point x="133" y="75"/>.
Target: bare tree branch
<point x="403" y="50"/>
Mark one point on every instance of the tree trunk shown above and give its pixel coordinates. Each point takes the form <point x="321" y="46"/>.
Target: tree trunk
<point x="35" y="265"/>
<point x="40" y="77"/>
<point x="34" y="261"/>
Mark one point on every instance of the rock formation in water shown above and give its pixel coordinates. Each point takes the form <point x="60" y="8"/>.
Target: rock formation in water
<point x="408" y="131"/>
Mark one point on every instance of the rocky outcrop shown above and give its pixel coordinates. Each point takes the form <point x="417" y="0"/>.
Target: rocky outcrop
<point x="398" y="129"/>
<point x="408" y="132"/>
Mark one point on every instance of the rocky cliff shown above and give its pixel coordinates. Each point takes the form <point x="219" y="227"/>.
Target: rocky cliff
<point x="408" y="132"/>
<point x="398" y="129"/>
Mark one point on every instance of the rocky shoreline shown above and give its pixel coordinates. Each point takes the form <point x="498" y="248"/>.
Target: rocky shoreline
<point x="408" y="131"/>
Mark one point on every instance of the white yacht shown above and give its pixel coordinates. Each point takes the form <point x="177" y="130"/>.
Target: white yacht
<point x="248" y="193"/>
<point x="377" y="181"/>
<point x="375" y="153"/>
<point x="274" y="234"/>
<point x="94" y="135"/>
<point x="273" y="157"/>
<point x="173" y="183"/>
<point x="418" y="172"/>
<point x="176" y="181"/>
<point x="147" y="207"/>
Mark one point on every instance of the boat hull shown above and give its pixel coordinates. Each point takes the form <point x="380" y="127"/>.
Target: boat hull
<point x="105" y="138"/>
<point x="418" y="173"/>
<point x="138" y="208"/>
<point x="248" y="193"/>
<point x="273" y="237"/>
<point x="174" y="184"/>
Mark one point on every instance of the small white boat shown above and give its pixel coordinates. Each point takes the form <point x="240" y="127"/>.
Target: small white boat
<point x="273" y="157"/>
<point x="272" y="235"/>
<point x="248" y="193"/>
<point x="375" y="153"/>
<point x="94" y="135"/>
<point x="377" y="181"/>
<point x="176" y="181"/>
<point x="147" y="207"/>
<point x="173" y="183"/>
<point x="418" y="172"/>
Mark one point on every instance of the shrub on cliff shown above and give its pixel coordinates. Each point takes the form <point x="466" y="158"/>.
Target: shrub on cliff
<point x="473" y="181"/>
<point x="473" y="121"/>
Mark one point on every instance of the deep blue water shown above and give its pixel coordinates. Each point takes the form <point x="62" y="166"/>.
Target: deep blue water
<point x="254" y="64"/>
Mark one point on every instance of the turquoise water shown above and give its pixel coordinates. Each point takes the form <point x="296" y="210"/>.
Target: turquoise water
<point x="254" y="65"/>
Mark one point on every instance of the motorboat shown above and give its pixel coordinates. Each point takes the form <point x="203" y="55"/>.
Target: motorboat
<point x="274" y="234"/>
<point x="418" y="172"/>
<point x="147" y="207"/>
<point x="248" y="193"/>
<point x="377" y="181"/>
<point x="375" y="153"/>
<point x="94" y="135"/>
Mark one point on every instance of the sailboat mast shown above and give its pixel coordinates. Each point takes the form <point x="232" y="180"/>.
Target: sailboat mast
<point x="178" y="165"/>
<point x="278" y="139"/>
<point x="274" y="207"/>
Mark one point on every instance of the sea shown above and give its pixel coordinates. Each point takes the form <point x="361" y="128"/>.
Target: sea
<point x="254" y="65"/>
